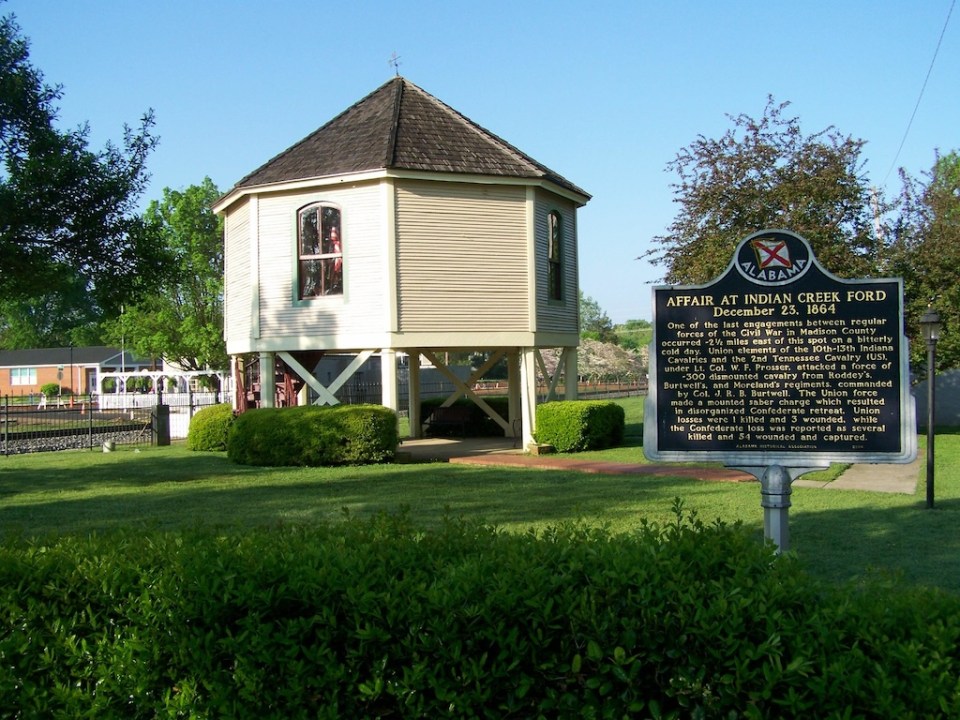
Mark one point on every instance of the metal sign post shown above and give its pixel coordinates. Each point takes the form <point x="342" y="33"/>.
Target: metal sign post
<point x="775" y="500"/>
<point x="776" y="487"/>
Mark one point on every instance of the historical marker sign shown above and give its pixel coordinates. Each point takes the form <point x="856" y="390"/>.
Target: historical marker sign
<point x="779" y="362"/>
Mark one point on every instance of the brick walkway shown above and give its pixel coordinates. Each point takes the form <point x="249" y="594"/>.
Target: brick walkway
<point x="554" y="462"/>
<point x="499" y="451"/>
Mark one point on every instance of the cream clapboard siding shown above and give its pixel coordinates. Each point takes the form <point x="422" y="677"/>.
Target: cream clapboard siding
<point x="553" y="316"/>
<point x="238" y="279"/>
<point x="461" y="257"/>
<point x="362" y="307"/>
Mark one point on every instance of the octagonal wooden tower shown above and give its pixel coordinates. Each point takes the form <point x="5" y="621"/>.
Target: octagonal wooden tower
<point x="401" y="226"/>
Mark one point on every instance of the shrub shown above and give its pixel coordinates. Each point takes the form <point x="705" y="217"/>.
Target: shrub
<point x="210" y="427"/>
<point x="571" y="426"/>
<point x="314" y="436"/>
<point x="51" y="389"/>
<point x="378" y="618"/>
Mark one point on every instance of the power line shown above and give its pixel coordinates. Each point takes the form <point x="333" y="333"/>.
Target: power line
<point x="924" y="87"/>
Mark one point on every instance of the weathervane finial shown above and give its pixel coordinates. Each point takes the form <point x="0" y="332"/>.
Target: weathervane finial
<point x="395" y="61"/>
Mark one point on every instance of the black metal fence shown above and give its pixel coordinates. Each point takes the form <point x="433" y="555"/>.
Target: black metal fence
<point x="73" y="424"/>
<point x="98" y="422"/>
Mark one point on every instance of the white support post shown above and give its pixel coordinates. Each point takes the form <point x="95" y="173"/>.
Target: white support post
<point x="413" y="384"/>
<point x="236" y="371"/>
<point x="514" y="392"/>
<point x="388" y="379"/>
<point x="528" y="394"/>
<point x="268" y="380"/>
<point x="570" y="374"/>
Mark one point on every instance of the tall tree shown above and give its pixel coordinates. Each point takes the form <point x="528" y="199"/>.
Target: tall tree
<point x="183" y="321"/>
<point x="54" y="319"/>
<point x="765" y="173"/>
<point x="601" y="361"/>
<point x="67" y="214"/>
<point x="928" y="257"/>
<point x="595" y="324"/>
<point x="634" y="334"/>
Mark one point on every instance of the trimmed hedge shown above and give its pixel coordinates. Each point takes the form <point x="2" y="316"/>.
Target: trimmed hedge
<point x="210" y="427"/>
<point x="382" y="619"/>
<point x="572" y="426"/>
<point x="314" y="435"/>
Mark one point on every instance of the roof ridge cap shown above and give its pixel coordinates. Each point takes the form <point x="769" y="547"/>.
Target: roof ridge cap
<point x="394" y="131"/>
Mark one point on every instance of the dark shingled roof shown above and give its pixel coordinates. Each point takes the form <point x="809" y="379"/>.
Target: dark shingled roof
<point x="401" y="127"/>
<point x="93" y="355"/>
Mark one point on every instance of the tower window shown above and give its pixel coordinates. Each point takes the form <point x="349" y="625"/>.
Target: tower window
<point x="320" y="251"/>
<point x="554" y="256"/>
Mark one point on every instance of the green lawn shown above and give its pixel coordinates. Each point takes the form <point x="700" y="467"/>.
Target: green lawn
<point x="839" y="534"/>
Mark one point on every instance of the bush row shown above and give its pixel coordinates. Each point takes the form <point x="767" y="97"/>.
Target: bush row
<point x="352" y="434"/>
<point x="582" y="425"/>
<point x="382" y="619"/>
<point x="314" y="435"/>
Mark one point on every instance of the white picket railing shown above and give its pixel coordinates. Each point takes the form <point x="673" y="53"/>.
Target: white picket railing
<point x="176" y="400"/>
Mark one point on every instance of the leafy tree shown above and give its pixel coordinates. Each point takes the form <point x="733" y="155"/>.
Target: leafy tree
<point x="67" y="214"/>
<point x="54" y="319"/>
<point x="600" y="361"/>
<point x="927" y="256"/>
<point x="634" y="334"/>
<point x="183" y="322"/>
<point x="594" y="322"/>
<point x="767" y="173"/>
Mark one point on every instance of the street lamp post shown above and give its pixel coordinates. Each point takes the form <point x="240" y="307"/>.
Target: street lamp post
<point x="930" y="324"/>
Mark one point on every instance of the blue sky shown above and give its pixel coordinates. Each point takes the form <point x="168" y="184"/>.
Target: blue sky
<point x="606" y="95"/>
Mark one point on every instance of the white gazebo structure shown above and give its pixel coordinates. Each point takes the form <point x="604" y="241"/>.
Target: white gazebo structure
<point x="172" y="383"/>
<point x="401" y="226"/>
